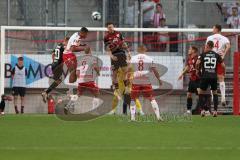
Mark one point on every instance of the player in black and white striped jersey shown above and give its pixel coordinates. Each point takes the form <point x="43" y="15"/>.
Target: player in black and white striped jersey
<point x="57" y="67"/>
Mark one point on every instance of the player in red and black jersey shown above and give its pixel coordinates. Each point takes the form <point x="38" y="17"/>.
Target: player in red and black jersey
<point x="119" y="53"/>
<point x="190" y="68"/>
<point x="116" y="47"/>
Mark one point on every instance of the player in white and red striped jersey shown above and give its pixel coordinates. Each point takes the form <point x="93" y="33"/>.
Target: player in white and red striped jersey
<point x="221" y="46"/>
<point x="142" y="65"/>
<point x="87" y="71"/>
<point x="74" y="45"/>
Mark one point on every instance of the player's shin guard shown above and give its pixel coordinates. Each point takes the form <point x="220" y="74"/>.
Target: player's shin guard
<point x="215" y="101"/>
<point x="155" y="108"/>
<point x="133" y="110"/>
<point x="222" y="90"/>
<point x="189" y="103"/>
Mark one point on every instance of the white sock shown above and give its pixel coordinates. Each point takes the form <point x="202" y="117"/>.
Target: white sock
<point x="222" y="89"/>
<point x="211" y="96"/>
<point x="155" y="108"/>
<point x="95" y="103"/>
<point x="133" y="111"/>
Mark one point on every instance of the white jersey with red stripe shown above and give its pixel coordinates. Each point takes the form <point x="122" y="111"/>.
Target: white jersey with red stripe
<point x="141" y="65"/>
<point x="220" y="43"/>
<point x="85" y="69"/>
<point x="74" y="40"/>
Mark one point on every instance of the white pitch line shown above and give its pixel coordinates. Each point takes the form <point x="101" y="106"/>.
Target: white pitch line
<point x="119" y="148"/>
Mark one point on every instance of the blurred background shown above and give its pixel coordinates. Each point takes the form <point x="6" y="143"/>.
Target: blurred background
<point x="123" y="13"/>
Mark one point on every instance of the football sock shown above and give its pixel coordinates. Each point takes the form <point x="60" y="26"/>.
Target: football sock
<point x="138" y="105"/>
<point x="189" y="103"/>
<point x="132" y="110"/>
<point x="70" y="90"/>
<point x="127" y="99"/>
<point x="125" y="108"/>
<point x="95" y="102"/>
<point x="155" y="108"/>
<point x="22" y="109"/>
<point x="201" y="101"/>
<point x="114" y="102"/>
<point x="222" y="89"/>
<point x="16" y="109"/>
<point x="198" y="104"/>
<point x="215" y="101"/>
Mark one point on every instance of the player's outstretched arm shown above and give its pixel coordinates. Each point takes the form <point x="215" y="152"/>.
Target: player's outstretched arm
<point x="109" y="52"/>
<point x="228" y="46"/>
<point x="79" y="48"/>
<point x="53" y="55"/>
<point x="185" y="70"/>
<point x="198" y="65"/>
<point x="97" y="70"/>
<point x="157" y="75"/>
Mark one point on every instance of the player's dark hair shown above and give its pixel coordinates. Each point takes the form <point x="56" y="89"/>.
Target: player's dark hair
<point x="194" y="48"/>
<point x="109" y="23"/>
<point x="84" y="29"/>
<point x="20" y="58"/>
<point x="159" y="4"/>
<point x="235" y="8"/>
<point x="2" y="96"/>
<point x="66" y="38"/>
<point x="219" y="27"/>
<point x="210" y="44"/>
<point x="163" y="19"/>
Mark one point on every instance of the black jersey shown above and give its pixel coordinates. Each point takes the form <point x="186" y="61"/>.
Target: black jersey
<point x="58" y="54"/>
<point x="209" y="61"/>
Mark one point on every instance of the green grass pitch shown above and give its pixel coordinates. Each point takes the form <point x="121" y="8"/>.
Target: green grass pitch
<point x="45" y="137"/>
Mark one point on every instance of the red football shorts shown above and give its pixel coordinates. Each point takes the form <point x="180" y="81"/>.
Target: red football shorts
<point x="88" y="86"/>
<point x="220" y="69"/>
<point x="70" y="60"/>
<point x="146" y="90"/>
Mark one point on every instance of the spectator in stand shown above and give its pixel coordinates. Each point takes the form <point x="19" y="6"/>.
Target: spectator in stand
<point x="157" y="16"/>
<point x="129" y="19"/>
<point x="163" y="36"/>
<point x="234" y="20"/>
<point x="148" y="10"/>
<point x="227" y="9"/>
<point x="155" y="21"/>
